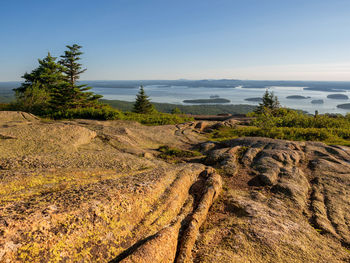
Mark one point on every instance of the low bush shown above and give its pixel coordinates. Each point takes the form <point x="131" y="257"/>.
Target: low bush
<point x="106" y="112"/>
<point x="102" y="113"/>
<point x="289" y="124"/>
<point x="156" y="118"/>
<point x="4" y="106"/>
<point x="187" y="109"/>
<point x="327" y="135"/>
<point x="290" y="118"/>
<point x="173" y="154"/>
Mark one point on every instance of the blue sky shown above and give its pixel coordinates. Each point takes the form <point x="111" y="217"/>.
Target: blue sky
<point x="194" y="39"/>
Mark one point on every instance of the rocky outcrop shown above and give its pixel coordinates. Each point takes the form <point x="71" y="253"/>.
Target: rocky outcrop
<point x="173" y="244"/>
<point x="94" y="191"/>
<point x="285" y="202"/>
<point x="87" y="191"/>
<point x="16" y="117"/>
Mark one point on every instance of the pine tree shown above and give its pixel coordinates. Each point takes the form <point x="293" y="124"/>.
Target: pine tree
<point x="47" y="76"/>
<point x="70" y="94"/>
<point x="269" y="101"/>
<point x="72" y="67"/>
<point x="142" y="103"/>
<point x="176" y="110"/>
<point x="35" y="92"/>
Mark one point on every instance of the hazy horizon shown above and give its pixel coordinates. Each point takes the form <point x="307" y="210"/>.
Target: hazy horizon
<point x="209" y="79"/>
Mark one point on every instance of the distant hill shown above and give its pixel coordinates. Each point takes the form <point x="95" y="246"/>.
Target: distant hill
<point x="331" y="86"/>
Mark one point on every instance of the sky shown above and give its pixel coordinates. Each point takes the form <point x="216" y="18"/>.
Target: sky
<point x="173" y="39"/>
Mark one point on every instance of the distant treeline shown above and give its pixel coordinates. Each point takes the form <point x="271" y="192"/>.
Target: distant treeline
<point x="6" y="91"/>
<point x="6" y="97"/>
<point x="188" y="109"/>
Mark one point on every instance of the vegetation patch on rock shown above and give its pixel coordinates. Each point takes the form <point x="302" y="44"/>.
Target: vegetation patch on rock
<point x="175" y="154"/>
<point x="291" y="125"/>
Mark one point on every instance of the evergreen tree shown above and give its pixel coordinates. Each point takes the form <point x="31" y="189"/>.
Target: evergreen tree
<point x="269" y="101"/>
<point x="63" y="97"/>
<point x="72" y="68"/>
<point x="70" y="94"/>
<point x="47" y="76"/>
<point x="34" y="94"/>
<point x="142" y="103"/>
<point x="176" y="110"/>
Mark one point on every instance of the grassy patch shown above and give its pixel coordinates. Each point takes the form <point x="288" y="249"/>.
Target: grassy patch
<point x="157" y="118"/>
<point x="175" y="154"/>
<point x="295" y="119"/>
<point x="327" y="135"/>
<point x="187" y="109"/>
<point x="102" y="113"/>
<point x="287" y="124"/>
<point x="105" y="112"/>
<point x="108" y="113"/>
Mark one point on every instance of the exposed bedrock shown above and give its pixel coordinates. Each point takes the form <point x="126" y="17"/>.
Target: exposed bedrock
<point x="93" y="191"/>
<point x="90" y="191"/>
<point x="283" y="202"/>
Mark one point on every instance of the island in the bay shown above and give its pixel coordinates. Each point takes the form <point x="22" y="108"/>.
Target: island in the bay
<point x="298" y="97"/>
<point x="208" y="101"/>
<point x="254" y="99"/>
<point x="338" y="96"/>
<point x="345" y="106"/>
<point x="317" y="101"/>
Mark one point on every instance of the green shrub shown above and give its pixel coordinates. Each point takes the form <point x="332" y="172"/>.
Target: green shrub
<point x="173" y="154"/>
<point x="102" y="113"/>
<point x="290" y="118"/>
<point x="33" y="99"/>
<point x="327" y="135"/>
<point x="176" y="110"/>
<point x="187" y="109"/>
<point x="294" y="125"/>
<point x="155" y="118"/>
<point x="4" y="106"/>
